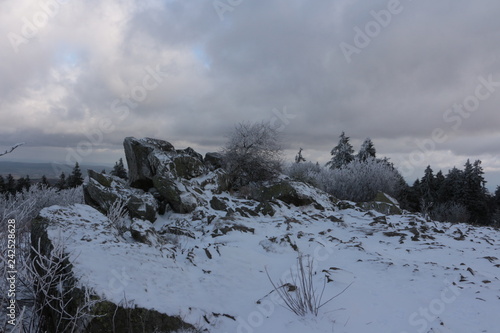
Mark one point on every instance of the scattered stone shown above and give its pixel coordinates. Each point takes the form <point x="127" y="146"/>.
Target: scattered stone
<point x="144" y="232"/>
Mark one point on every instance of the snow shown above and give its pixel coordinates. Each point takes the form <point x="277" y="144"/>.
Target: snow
<point x="394" y="284"/>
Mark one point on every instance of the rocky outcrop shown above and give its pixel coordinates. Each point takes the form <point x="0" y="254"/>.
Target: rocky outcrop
<point x="383" y="203"/>
<point x="156" y="163"/>
<point x="102" y="191"/>
<point x="294" y="193"/>
<point x="138" y="152"/>
<point x="70" y="230"/>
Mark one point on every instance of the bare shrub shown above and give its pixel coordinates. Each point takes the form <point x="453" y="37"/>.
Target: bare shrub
<point x="300" y="295"/>
<point x="252" y="154"/>
<point x="117" y="213"/>
<point x="450" y="212"/>
<point x="23" y="207"/>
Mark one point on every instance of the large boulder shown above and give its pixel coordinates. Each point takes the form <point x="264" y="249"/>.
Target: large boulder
<point x="137" y="153"/>
<point x="170" y="190"/>
<point x="213" y="160"/>
<point x="83" y="254"/>
<point x="294" y="193"/>
<point x="383" y="203"/>
<point x="155" y="163"/>
<point x="102" y="191"/>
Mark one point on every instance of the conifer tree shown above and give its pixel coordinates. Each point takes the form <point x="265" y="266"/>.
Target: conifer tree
<point x="76" y="178"/>
<point x="367" y="150"/>
<point x="10" y="185"/>
<point x="2" y="184"/>
<point x="342" y="154"/>
<point x="44" y="181"/>
<point x="62" y="183"/>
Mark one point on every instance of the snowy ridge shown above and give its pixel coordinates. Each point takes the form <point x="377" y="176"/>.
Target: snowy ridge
<point x="403" y="273"/>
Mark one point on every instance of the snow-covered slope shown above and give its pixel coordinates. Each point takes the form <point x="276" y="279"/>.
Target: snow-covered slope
<point x="402" y="273"/>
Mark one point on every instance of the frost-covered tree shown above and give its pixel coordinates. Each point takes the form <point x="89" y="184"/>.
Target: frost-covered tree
<point x="119" y="170"/>
<point x="367" y="150"/>
<point x="252" y="153"/>
<point x="299" y="158"/>
<point x="75" y="179"/>
<point x="360" y="181"/>
<point x="342" y="154"/>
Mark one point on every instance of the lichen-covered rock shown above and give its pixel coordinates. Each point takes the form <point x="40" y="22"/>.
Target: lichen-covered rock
<point x="137" y="153"/>
<point x="383" y="203"/>
<point x="180" y="201"/>
<point x="294" y="193"/>
<point x="187" y="166"/>
<point x="213" y="160"/>
<point x="102" y="191"/>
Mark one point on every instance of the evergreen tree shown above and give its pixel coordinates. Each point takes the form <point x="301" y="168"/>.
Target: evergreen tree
<point x="10" y="186"/>
<point x="2" y="185"/>
<point x="497" y="196"/>
<point x="342" y="154"/>
<point x="76" y="178"/>
<point x="119" y="170"/>
<point x="453" y="186"/>
<point x="23" y="184"/>
<point x="439" y="181"/>
<point x="44" y="182"/>
<point x="299" y="158"/>
<point x="367" y="150"/>
<point x="427" y="188"/>
<point x="475" y="192"/>
<point x="62" y="183"/>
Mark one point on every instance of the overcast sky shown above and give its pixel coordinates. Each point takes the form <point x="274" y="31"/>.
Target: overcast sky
<point x="420" y="78"/>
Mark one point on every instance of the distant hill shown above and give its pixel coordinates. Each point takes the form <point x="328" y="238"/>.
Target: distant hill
<point x="50" y="170"/>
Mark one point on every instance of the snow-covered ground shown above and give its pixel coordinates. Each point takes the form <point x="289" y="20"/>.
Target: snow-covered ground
<point x="402" y="273"/>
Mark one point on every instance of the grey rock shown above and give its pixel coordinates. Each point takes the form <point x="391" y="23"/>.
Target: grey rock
<point x="213" y="160"/>
<point x="102" y="191"/>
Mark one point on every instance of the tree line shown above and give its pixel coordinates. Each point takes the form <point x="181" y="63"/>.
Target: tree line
<point x="9" y="185"/>
<point x="459" y="196"/>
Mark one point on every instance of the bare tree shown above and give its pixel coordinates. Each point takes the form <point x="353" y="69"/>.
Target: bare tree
<point x="8" y="151"/>
<point x="252" y="154"/>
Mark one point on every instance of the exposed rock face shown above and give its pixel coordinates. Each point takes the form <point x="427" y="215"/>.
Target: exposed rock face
<point x="101" y="191"/>
<point x="137" y="153"/>
<point x="72" y="228"/>
<point x="155" y="163"/>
